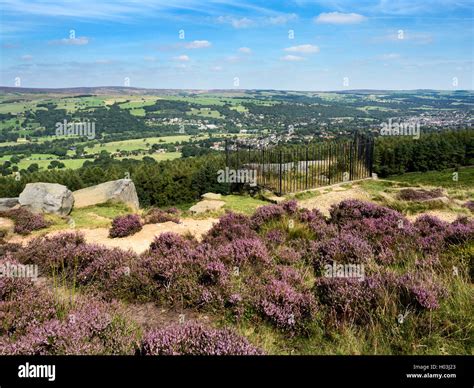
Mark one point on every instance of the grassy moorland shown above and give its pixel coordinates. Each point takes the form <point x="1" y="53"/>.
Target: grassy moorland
<point x="260" y="272"/>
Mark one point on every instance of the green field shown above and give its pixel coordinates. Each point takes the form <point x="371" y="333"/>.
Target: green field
<point x="136" y="144"/>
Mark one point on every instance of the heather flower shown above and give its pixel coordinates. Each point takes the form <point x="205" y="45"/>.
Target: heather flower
<point x="431" y="232"/>
<point x="52" y="252"/>
<point x="290" y="207"/>
<point x="214" y="273"/>
<point x="349" y="299"/>
<point x="197" y="340"/>
<point x="419" y="195"/>
<point x="25" y="221"/>
<point x="286" y="307"/>
<point x="275" y="236"/>
<point x="127" y="225"/>
<point x="288" y="255"/>
<point x="469" y="205"/>
<point x="230" y="226"/>
<point x="344" y="249"/>
<point x="92" y="327"/>
<point x="157" y="216"/>
<point x="460" y="231"/>
<point x="170" y="243"/>
<point x="311" y="216"/>
<point x="243" y="251"/>
<point x="267" y="213"/>
<point x="420" y="292"/>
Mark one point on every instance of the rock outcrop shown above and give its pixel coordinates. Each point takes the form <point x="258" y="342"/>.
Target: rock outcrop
<point x="47" y="198"/>
<point x="206" y="206"/>
<point x="8" y="203"/>
<point x="122" y="190"/>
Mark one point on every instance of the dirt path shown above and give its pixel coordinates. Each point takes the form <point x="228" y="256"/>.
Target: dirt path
<point x="140" y="241"/>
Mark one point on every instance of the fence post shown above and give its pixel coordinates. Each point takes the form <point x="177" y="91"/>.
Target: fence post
<point x="351" y="145"/>
<point x="372" y="146"/>
<point x="280" y="175"/>
<point x="329" y="163"/>
<point x="226" y="153"/>
<point x="306" y="185"/>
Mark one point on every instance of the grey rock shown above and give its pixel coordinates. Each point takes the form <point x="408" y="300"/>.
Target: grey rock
<point x="206" y="206"/>
<point x="122" y="190"/>
<point x="47" y="198"/>
<point x="8" y="203"/>
<point x="211" y="196"/>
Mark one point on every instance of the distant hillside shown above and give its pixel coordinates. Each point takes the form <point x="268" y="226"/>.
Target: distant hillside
<point x="118" y="90"/>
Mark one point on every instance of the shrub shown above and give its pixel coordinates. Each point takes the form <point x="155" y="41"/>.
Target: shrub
<point x="267" y="213"/>
<point x="157" y="216"/>
<point x="344" y="249"/>
<point x="311" y="216"/>
<point x="469" y="205"/>
<point x="390" y="235"/>
<point x="51" y="252"/>
<point x="195" y="339"/>
<point x="230" y="226"/>
<point x="244" y="252"/>
<point x="290" y="207"/>
<point x="349" y="299"/>
<point x="460" y="231"/>
<point x="419" y="195"/>
<point x="25" y="221"/>
<point x="22" y="304"/>
<point x="285" y="306"/>
<point x="275" y="236"/>
<point x="353" y="210"/>
<point x="288" y="255"/>
<point x="431" y="231"/>
<point x="91" y="327"/>
<point x="67" y="257"/>
<point x="127" y="225"/>
<point x="419" y="291"/>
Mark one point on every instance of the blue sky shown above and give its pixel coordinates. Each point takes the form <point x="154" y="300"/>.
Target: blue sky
<point x="290" y="45"/>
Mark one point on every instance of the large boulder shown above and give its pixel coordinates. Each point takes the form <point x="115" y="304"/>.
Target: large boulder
<point x="8" y="203"/>
<point x="47" y="198"/>
<point x="122" y="190"/>
<point x="206" y="206"/>
<point x="211" y="196"/>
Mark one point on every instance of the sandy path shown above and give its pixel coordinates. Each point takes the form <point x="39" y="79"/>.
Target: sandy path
<point x="140" y="241"/>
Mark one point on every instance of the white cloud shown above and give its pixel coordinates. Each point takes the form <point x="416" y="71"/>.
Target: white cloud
<point x="406" y="36"/>
<point x="339" y="18"/>
<point x="282" y="19"/>
<point x="197" y="44"/>
<point x="303" y="48"/>
<point x="216" y="68"/>
<point x="245" y="50"/>
<point x="236" y="22"/>
<point x="233" y="59"/>
<point x="27" y="57"/>
<point x="389" y="56"/>
<point x="72" y="41"/>
<point x="182" y="58"/>
<point x="292" y="58"/>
